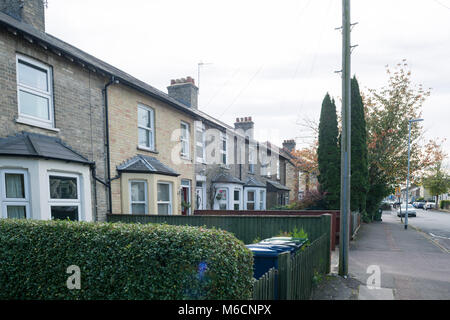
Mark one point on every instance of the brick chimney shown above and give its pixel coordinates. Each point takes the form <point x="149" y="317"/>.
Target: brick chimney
<point x="246" y="125"/>
<point x="185" y="91"/>
<point x="289" y="145"/>
<point x="31" y="12"/>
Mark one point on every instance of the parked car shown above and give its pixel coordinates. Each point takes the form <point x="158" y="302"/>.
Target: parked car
<point x="429" y="205"/>
<point x="402" y="211"/>
<point x="396" y="204"/>
<point x="420" y="204"/>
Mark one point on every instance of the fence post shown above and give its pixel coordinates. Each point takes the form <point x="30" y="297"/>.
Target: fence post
<point x="284" y="272"/>
<point x="327" y="218"/>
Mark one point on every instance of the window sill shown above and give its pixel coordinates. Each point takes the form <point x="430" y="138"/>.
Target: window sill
<point x="147" y="149"/>
<point x="34" y="124"/>
<point x="200" y="161"/>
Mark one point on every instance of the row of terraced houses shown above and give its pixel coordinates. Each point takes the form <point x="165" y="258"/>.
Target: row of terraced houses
<point x="80" y="138"/>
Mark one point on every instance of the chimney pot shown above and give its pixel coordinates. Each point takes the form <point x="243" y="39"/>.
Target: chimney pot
<point x="185" y="94"/>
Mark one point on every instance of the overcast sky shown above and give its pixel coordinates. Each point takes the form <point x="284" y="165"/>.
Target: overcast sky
<point x="272" y="60"/>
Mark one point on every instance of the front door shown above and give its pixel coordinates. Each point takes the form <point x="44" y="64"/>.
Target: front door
<point x="185" y="197"/>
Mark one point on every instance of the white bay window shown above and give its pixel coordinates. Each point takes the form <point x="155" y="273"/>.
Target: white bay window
<point x="65" y="201"/>
<point x="14" y="194"/>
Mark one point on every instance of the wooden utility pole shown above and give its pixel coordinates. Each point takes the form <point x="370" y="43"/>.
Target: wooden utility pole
<point x="346" y="140"/>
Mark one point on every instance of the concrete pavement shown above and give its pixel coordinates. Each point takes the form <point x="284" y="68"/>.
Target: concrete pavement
<point x="412" y="265"/>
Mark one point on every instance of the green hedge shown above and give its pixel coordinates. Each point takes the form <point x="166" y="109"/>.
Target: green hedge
<point x="444" y="204"/>
<point x="121" y="261"/>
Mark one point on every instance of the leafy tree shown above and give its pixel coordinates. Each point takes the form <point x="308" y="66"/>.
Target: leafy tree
<point x="305" y="161"/>
<point x="437" y="183"/>
<point x="387" y="113"/>
<point x="359" y="162"/>
<point x="328" y="154"/>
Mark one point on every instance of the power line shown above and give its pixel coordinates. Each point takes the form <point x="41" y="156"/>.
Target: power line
<point x="260" y="68"/>
<point x="441" y="4"/>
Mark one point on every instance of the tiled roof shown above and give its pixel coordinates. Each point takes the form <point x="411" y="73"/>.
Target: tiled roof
<point x="277" y="185"/>
<point x="35" y="145"/>
<point x="225" y="177"/>
<point x="146" y="164"/>
<point x="253" y="182"/>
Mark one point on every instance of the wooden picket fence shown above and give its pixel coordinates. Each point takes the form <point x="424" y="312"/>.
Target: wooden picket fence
<point x="294" y="279"/>
<point x="264" y="288"/>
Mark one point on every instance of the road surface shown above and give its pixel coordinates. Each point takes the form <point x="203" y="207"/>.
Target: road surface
<point x="434" y="223"/>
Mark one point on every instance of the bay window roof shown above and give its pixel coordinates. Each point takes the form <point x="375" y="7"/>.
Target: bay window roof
<point x="146" y="164"/>
<point x="35" y="145"/>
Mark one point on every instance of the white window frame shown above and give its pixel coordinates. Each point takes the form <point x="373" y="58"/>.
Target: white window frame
<point x="238" y="202"/>
<point x="251" y="160"/>
<point x="223" y="138"/>
<point x="200" y="130"/>
<point x="138" y="202"/>
<point x="227" y="200"/>
<point x="151" y="129"/>
<point x="262" y="199"/>
<point x="278" y="170"/>
<point x="46" y="123"/>
<point x="254" y="199"/>
<point x="185" y="140"/>
<point x="170" y="202"/>
<point x="14" y="201"/>
<point x="64" y="202"/>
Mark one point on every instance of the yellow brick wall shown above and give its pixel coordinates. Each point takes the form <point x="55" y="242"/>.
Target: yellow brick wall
<point x="123" y="130"/>
<point x="292" y="181"/>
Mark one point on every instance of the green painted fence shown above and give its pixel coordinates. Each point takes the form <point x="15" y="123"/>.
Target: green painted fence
<point x="294" y="279"/>
<point x="245" y="228"/>
<point x="264" y="288"/>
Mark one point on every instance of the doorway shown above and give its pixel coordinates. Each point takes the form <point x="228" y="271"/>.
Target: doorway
<point x="185" y="197"/>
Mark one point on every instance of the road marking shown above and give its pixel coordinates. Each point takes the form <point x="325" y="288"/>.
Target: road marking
<point x="441" y="237"/>
<point x="436" y="243"/>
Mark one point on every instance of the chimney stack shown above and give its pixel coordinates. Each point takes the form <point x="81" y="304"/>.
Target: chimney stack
<point x="246" y="125"/>
<point x="185" y="91"/>
<point x="289" y="145"/>
<point x="31" y="12"/>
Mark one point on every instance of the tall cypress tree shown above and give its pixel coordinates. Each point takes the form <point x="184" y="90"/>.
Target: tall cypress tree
<point x="329" y="154"/>
<point x="359" y="161"/>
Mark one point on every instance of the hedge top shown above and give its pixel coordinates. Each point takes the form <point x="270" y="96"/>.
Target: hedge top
<point x="121" y="261"/>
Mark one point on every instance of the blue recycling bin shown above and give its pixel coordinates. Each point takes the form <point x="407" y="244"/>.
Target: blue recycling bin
<point x="265" y="257"/>
<point x="295" y="243"/>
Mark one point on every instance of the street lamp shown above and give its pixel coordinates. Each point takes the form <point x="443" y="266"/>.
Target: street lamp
<point x="407" y="179"/>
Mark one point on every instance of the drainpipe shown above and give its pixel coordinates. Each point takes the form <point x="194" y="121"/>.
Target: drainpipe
<point x="108" y="155"/>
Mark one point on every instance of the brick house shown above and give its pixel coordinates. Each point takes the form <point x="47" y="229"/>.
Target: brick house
<point x="51" y="137"/>
<point x="79" y="138"/>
